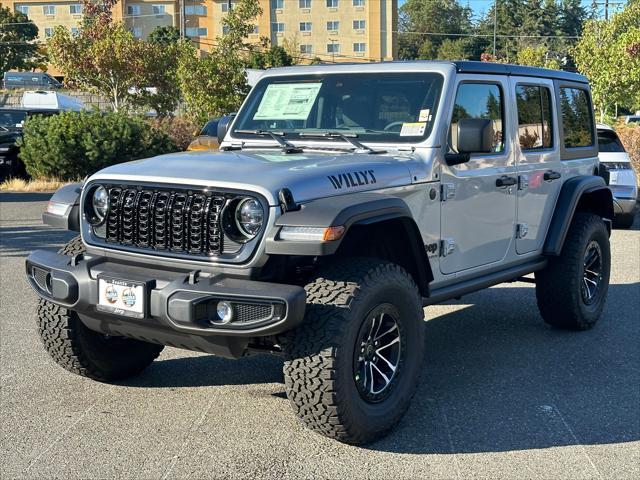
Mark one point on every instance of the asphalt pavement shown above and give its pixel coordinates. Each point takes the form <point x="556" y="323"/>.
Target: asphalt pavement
<point x="501" y="396"/>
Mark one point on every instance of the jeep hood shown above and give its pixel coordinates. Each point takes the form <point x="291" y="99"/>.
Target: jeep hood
<point x="307" y="175"/>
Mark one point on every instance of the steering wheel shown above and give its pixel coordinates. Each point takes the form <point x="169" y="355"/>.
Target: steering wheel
<point x="393" y="124"/>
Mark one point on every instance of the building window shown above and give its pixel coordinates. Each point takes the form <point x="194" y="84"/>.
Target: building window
<point x="534" y="117"/>
<point x="359" y="47"/>
<point x="225" y="6"/>
<point x="48" y="32"/>
<point x="196" y="32"/>
<point x="49" y="9"/>
<point x="225" y="29"/>
<point x="480" y="101"/>
<point x="333" y="25"/>
<point x="255" y="30"/>
<point x="304" y="3"/>
<point x="277" y="4"/>
<point x="306" y="49"/>
<point x="332" y="3"/>
<point x="24" y="9"/>
<point x="137" y="32"/>
<point x="133" y="9"/>
<point x="158" y="9"/>
<point x="358" y="24"/>
<point x="75" y="31"/>
<point x="358" y="3"/>
<point x="577" y="117"/>
<point x="277" y="27"/>
<point x="195" y="10"/>
<point x="75" y="9"/>
<point x="333" y="48"/>
<point x="305" y="26"/>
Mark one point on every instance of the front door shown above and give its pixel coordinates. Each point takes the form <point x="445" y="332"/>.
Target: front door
<point x="539" y="165"/>
<point x="478" y="207"/>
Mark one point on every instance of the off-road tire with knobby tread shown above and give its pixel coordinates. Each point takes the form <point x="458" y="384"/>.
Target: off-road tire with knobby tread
<point x="558" y="286"/>
<point x="82" y="351"/>
<point x="318" y="367"/>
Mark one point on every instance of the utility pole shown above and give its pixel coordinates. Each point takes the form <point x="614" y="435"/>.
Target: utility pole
<point x="606" y="4"/>
<point x="495" y="26"/>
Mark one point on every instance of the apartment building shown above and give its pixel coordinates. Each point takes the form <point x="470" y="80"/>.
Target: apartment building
<point x="332" y="30"/>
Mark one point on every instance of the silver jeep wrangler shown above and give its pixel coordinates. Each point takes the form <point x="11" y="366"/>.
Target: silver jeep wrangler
<point x="344" y="200"/>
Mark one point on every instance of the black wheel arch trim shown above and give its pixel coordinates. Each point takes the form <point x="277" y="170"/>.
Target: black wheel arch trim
<point x="583" y="192"/>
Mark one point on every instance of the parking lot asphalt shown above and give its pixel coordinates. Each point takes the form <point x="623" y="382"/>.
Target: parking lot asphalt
<point x="501" y="396"/>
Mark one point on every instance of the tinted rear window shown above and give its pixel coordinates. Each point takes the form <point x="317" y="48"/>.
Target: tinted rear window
<point x="609" y="142"/>
<point x="577" y="117"/>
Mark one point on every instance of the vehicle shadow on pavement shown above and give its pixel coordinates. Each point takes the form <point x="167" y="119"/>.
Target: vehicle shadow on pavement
<point x="496" y="378"/>
<point x="19" y="241"/>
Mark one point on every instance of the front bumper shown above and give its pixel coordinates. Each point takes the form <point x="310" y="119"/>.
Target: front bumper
<point x="180" y="306"/>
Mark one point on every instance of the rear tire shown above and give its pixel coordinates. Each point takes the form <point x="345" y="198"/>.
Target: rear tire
<point x="571" y="291"/>
<point x="333" y="358"/>
<point x="85" y="352"/>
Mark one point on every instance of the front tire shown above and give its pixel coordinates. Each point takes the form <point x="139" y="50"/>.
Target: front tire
<point x="352" y="367"/>
<point x="85" y="352"/>
<point x="571" y="291"/>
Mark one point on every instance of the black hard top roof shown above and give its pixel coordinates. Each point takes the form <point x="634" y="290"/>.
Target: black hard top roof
<point x="492" y="68"/>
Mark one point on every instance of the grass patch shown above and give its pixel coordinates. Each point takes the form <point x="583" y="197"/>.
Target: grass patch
<point x="20" y="185"/>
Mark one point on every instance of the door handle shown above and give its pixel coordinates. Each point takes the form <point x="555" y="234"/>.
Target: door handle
<point x="550" y="175"/>
<point x="506" y="181"/>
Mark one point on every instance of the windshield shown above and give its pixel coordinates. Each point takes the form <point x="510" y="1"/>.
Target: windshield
<point x="608" y="142"/>
<point x="12" y="118"/>
<point x="377" y="107"/>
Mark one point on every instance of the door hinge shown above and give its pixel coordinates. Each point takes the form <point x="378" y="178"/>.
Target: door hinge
<point x="447" y="191"/>
<point x="523" y="182"/>
<point x="447" y="246"/>
<point x="521" y="230"/>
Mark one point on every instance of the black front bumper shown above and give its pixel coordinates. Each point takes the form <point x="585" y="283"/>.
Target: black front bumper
<point x="180" y="305"/>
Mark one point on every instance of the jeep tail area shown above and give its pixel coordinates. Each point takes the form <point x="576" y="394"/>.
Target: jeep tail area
<point x="344" y="199"/>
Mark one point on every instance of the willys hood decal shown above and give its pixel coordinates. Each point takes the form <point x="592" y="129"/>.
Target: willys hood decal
<point x="308" y="176"/>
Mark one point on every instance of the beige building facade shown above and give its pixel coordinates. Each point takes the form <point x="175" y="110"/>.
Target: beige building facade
<point x="329" y="30"/>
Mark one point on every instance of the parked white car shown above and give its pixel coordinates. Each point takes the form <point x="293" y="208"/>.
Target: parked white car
<point x="622" y="177"/>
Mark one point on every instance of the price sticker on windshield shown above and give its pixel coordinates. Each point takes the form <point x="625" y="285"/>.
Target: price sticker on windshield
<point x="413" y="129"/>
<point x="287" y="101"/>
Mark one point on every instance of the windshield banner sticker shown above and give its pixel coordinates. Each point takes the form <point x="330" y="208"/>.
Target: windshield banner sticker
<point x="287" y="101"/>
<point x="352" y="179"/>
<point x="413" y="129"/>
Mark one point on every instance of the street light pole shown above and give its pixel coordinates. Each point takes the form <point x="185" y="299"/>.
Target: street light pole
<point x="495" y="26"/>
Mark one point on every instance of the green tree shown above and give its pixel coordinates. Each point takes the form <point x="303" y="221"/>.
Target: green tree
<point x="216" y="84"/>
<point x="17" y="48"/>
<point x="608" y="54"/>
<point x="536" y="57"/>
<point x="275" y="56"/>
<point x="453" y="49"/>
<point x="167" y="35"/>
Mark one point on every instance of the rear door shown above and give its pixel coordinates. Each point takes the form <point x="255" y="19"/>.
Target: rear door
<point x="538" y="160"/>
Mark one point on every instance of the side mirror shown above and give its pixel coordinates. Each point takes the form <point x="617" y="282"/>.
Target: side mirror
<point x="475" y="135"/>
<point x="223" y="126"/>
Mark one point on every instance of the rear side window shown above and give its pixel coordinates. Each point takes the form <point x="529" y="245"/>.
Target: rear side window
<point x="479" y="100"/>
<point x="535" y="128"/>
<point x="577" y="117"/>
<point x="608" y="142"/>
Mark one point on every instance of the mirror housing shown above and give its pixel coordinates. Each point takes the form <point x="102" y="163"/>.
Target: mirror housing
<point x="223" y="126"/>
<point x="475" y="135"/>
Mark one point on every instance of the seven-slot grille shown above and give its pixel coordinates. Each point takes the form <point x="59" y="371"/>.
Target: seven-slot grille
<point x="176" y="221"/>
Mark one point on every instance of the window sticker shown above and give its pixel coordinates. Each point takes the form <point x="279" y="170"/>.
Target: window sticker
<point x="287" y="101"/>
<point x="424" y="115"/>
<point x="413" y="129"/>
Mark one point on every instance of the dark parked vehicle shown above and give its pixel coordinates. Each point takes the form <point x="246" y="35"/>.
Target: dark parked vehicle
<point x="11" y="122"/>
<point x="30" y="80"/>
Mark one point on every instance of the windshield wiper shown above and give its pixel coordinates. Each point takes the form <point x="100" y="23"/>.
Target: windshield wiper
<point x="347" y="137"/>
<point x="277" y="136"/>
<point x="4" y="128"/>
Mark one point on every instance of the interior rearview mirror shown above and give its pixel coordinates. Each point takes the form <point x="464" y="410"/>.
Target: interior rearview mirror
<point x="223" y="126"/>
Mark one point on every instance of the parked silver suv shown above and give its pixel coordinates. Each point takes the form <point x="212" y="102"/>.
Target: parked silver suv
<point x="344" y="199"/>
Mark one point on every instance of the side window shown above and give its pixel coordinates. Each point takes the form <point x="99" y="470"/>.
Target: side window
<point x="577" y="117"/>
<point x="479" y="100"/>
<point x="535" y="129"/>
<point x="608" y="142"/>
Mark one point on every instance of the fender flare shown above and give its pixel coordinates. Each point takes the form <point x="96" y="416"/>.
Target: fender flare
<point x="68" y="195"/>
<point x="580" y="193"/>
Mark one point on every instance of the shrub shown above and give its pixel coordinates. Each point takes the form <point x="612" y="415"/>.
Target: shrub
<point x="630" y="137"/>
<point x="72" y="145"/>
<point x="180" y="130"/>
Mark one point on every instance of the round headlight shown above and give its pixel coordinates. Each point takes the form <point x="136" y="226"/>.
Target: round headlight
<point x="98" y="206"/>
<point x="249" y="217"/>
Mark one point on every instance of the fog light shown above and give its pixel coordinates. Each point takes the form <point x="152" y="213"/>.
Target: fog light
<point x="225" y="312"/>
